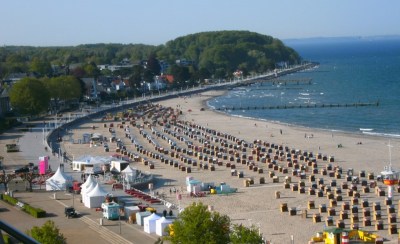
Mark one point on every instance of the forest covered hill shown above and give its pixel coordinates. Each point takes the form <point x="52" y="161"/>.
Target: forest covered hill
<point x="217" y="52"/>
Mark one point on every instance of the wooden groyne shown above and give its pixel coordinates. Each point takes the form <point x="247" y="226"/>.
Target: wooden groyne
<point x="299" y="106"/>
<point x="291" y="81"/>
<point x="282" y="82"/>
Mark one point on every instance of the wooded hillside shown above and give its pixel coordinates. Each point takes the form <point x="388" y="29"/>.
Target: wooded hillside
<point x="218" y="53"/>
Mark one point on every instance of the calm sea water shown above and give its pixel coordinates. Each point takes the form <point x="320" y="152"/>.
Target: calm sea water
<point x="351" y="70"/>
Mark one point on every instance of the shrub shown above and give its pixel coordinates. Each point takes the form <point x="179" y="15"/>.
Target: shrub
<point x="7" y="123"/>
<point x="8" y="199"/>
<point x="6" y="239"/>
<point x="47" y="234"/>
<point x="35" y="212"/>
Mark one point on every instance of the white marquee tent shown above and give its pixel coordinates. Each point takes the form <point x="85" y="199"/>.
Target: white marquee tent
<point x="95" y="197"/>
<point x="60" y="181"/>
<point x="89" y="164"/>
<point x="87" y="186"/>
<point x="149" y="223"/>
<point x="87" y="183"/>
<point x="88" y="189"/>
<point x="161" y="224"/>
<point x="129" y="174"/>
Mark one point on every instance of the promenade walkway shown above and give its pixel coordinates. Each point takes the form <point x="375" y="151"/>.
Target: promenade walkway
<point x="85" y="229"/>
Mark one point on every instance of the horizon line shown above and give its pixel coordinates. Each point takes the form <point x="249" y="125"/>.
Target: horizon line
<point x="282" y="39"/>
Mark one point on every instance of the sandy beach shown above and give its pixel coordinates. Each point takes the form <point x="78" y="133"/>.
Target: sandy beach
<point x="257" y="204"/>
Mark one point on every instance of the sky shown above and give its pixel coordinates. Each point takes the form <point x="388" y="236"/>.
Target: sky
<point x="155" y="22"/>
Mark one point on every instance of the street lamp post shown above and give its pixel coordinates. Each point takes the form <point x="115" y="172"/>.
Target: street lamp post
<point x="44" y="136"/>
<point x="119" y="217"/>
<point x="60" y="155"/>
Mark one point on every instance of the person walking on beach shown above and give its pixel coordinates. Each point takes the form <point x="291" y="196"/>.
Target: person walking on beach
<point x="281" y="131"/>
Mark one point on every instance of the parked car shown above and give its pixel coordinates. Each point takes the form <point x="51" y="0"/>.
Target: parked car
<point x="24" y="169"/>
<point x="70" y="212"/>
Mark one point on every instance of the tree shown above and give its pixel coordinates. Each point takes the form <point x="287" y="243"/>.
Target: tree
<point x="153" y="64"/>
<point x="14" y="63"/>
<point x="136" y="78"/>
<point x="180" y="73"/>
<point x="78" y="72"/>
<point x="148" y="76"/>
<point x="64" y="87"/>
<point x="91" y="70"/>
<point x="123" y="72"/>
<point x="29" y="177"/>
<point x="47" y="234"/>
<point x="241" y="234"/>
<point x="29" y="96"/>
<point x="214" y="51"/>
<point x="6" y="178"/>
<point x="220" y="73"/>
<point x="40" y="67"/>
<point x="197" y="225"/>
<point x="203" y="74"/>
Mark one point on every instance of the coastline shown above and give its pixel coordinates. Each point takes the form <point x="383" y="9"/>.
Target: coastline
<point x="253" y="205"/>
<point x="371" y="156"/>
<point x="295" y="134"/>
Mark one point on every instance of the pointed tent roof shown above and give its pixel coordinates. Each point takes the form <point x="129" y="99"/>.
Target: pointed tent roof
<point x="87" y="159"/>
<point x="89" y="188"/>
<point x="97" y="191"/>
<point x="128" y="170"/>
<point x="88" y="181"/>
<point x="163" y="220"/>
<point x="59" y="175"/>
<point x="97" y="135"/>
<point x="152" y="217"/>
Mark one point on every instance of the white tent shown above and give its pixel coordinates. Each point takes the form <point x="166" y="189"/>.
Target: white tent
<point x="161" y="224"/>
<point x="96" y="137"/>
<point x="60" y="181"/>
<point x="149" y="223"/>
<point x="87" y="183"/>
<point x="87" y="190"/>
<point x="140" y="217"/>
<point x="95" y="197"/>
<point x="89" y="164"/>
<point x="129" y="174"/>
<point x="130" y="213"/>
<point x="119" y="165"/>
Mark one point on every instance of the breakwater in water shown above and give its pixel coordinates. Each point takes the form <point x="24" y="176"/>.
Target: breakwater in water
<point x="332" y="105"/>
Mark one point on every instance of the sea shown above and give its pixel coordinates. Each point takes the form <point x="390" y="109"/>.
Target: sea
<point x="351" y="70"/>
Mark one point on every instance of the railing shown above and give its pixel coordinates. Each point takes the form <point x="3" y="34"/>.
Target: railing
<point x="12" y="231"/>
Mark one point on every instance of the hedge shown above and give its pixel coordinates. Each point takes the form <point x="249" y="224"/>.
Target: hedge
<point x="6" y="239"/>
<point x="10" y="200"/>
<point x="35" y="212"/>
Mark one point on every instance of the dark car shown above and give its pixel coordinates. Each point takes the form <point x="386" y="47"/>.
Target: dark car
<point x="70" y="212"/>
<point x="24" y="169"/>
